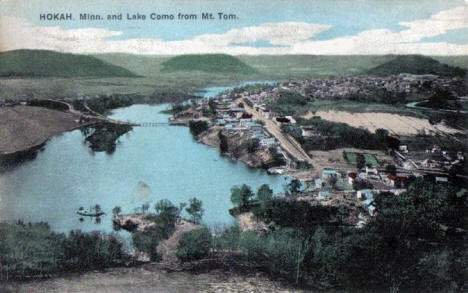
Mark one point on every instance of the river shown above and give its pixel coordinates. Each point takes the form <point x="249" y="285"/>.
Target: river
<point x="149" y="164"/>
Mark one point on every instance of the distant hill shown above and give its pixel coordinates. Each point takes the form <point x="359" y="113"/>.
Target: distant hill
<point x="43" y="63"/>
<point x="213" y="63"/>
<point x="416" y="64"/>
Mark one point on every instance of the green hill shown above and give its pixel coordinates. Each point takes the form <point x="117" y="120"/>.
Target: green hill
<point x="213" y="63"/>
<point x="43" y="63"/>
<point x="416" y="64"/>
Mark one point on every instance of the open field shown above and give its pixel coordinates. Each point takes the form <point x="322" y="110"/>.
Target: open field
<point x="370" y="159"/>
<point x="22" y="127"/>
<point x="394" y="123"/>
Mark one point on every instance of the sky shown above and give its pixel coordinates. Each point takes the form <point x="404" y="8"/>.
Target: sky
<point x="320" y="27"/>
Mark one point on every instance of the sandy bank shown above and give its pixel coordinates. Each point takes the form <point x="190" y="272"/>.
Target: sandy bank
<point x="23" y="127"/>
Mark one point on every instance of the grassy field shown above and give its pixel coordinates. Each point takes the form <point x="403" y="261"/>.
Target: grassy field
<point x="370" y="159"/>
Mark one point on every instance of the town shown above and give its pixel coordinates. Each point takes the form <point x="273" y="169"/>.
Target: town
<point x="243" y="126"/>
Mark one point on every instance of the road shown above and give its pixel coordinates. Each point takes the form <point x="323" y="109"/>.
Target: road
<point x="287" y="142"/>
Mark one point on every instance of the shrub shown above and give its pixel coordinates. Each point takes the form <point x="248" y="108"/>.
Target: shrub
<point x="194" y="245"/>
<point x="197" y="127"/>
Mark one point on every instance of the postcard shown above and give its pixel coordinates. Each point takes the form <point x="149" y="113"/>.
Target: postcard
<point x="233" y="146"/>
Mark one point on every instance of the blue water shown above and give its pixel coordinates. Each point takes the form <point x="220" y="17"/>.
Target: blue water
<point x="149" y="164"/>
<point x="214" y="91"/>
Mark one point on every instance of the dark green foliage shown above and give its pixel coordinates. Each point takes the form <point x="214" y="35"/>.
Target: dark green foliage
<point x="441" y="99"/>
<point x="166" y="212"/>
<point x="176" y="108"/>
<point x="104" y="103"/>
<point x="241" y="195"/>
<point x="195" y="210"/>
<point x="148" y="240"/>
<point x="194" y="245"/>
<point x="288" y="103"/>
<point x="42" y="63"/>
<point x="382" y="134"/>
<point x="211" y="63"/>
<point x="252" y="145"/>
<point x="413" y="233"/>
<point x="54" y="105"/>
<point x="33" y="250"/>
<point x="416" y="64"/>
<point x="299" y="214"/>
<point x="103" y="137"/>
<point x="223" y="143"/>
<point x="415" y="242"/>
<point x="277" y="159"/>
<point x="84" y="251"/>
<point x="294" y="186"/>
<point x="164" y="219"/>
<point x="197" y="127"/>
<point x="360" y="184"/>
<point x="338" y="135"/>
<point x="378" y="95"/>
<point x="390" y="169"/>
<point x="360" y="161"/>
<point x="264" y="193"/>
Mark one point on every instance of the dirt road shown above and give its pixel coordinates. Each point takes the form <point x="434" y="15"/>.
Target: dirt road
<point x="288" y="143"/>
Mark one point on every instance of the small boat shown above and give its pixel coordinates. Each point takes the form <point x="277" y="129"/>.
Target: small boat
<point x="90" y="214"/>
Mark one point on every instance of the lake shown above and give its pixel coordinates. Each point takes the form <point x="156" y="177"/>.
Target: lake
<point x="149" y="164"/>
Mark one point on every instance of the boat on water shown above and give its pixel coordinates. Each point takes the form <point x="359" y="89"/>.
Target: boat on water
<point x="90" y="214"/>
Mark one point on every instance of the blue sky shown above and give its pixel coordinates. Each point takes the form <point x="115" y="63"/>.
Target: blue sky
<point x="322" y="24"/>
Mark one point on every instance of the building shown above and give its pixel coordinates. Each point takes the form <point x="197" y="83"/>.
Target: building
<point x="351" y="177"/>
<point x="326" y="173"/>
<point x="282" y="121"/>
<point x="323" y="194"/>
<point x="318" y="183"/>
<point x="307" y="131"/>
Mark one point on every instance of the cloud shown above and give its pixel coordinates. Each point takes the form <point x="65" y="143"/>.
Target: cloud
<point x="288" y="37"/>
<point x="407" y="41"/>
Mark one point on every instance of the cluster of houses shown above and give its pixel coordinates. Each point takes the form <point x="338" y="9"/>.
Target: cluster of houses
<point x="232" y="117"/>
<point x="381" y="181"/>
<point x="344" y="86"/>
<point x="434" y="160"/>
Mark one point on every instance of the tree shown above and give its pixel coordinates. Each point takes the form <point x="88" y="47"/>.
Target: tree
<point x="252" y="145"/>
<point x="382" y="135"/>
<point x="362" y="184"/>
<point x="145" y="208"/>
<point x="195" y="210"/>
<point x="194" y="245"/>
<point x="166" y="211"/>
<point x="393" y="142"/>
<point x="264" y="193"/>
<point x="116" y="211"/>
<point x="197" y="127"/>
<point x="360" y="161"/>
<point x="223" y="143"/>
<point x="390" y="169"/>
<point x="294" y="186"/>
<point x="240" y="196"/>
